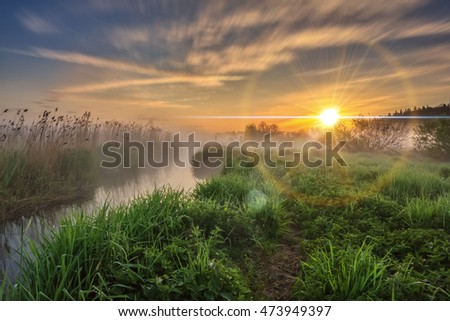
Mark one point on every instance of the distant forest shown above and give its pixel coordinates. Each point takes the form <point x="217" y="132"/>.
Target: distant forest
<point x="440" y="110"/>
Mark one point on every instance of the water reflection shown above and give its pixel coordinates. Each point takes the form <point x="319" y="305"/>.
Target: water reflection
<point x="115" y="190"/>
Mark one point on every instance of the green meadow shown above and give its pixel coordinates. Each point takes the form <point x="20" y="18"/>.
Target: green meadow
<point x="246" y="150"/>
<point x="378" y="229"/>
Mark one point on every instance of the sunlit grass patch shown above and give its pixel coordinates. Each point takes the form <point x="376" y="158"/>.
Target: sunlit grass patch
<point x="332" y="273"/>
<point x="425" y="212"/>
<point x="249" y="199"/>
<point x="231" y="188"/>
<point x="414" y="183"/>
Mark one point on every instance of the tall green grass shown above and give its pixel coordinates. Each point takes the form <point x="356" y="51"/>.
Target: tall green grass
<point x="55" y="158"/>
<point x="148" y="250"/>
<point x="24" y="175"/>
<point x="254" y="199"/>
<point x="425" y="212"/>
<point x="5" y="287"/>
<point x="343" y="274"/>
<point x="215" y="241"/>
<point x="416" y="181"/>
<point x="30" y="179"/>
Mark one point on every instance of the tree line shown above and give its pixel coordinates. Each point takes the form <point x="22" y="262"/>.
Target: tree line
<point x="429" y="137"/>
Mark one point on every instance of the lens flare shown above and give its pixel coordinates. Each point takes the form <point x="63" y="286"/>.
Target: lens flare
<point x="329" y="117"/>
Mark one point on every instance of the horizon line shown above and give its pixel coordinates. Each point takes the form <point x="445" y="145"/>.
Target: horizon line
<point x="309" y="117"/>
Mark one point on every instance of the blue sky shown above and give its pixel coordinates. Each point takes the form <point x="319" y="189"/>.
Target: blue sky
<point x="139" y="60"/>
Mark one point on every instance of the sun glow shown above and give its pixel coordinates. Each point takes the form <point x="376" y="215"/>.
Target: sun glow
<point x="329" y="116"/>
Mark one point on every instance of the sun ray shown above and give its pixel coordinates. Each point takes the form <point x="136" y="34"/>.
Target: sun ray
<point x="329" y="117"/>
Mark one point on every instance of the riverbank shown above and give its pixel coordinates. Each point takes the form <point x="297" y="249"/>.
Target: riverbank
<point x="378" y="229"/>
<point x="55" y="159"/>
<point x="33" y="179"/>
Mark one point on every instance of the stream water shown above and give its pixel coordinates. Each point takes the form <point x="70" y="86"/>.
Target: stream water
<point x="14" y="233"/>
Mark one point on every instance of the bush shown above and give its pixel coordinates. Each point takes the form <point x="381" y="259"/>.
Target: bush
<point x="372" y="134"/>
<point x="444" y="172"/>
<point x="432" y="137"/>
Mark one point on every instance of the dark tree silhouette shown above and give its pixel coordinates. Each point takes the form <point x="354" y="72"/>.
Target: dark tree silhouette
<point x="256" y="132"/>
<point x="372" y="134"/>
<point x="433" y="138"/>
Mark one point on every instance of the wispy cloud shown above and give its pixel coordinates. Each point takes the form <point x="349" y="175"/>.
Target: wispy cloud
<point x="158" y="77"/>
<point x="202" y="81"/>
<point x="37" y="24"/>
<point x="126" y="38"/>
<point x="135" y="102"/>
<point x="232" y="37"/>
<point x="277" y="55"/>
<point x="281" y="33"/>
<point x="83" y="59"/>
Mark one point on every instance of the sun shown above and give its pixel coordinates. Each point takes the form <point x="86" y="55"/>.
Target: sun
<point x="329" y="116"/>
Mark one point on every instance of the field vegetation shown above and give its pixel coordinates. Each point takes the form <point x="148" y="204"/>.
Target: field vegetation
<point x="377" y="229"/>
<point x="54" y="159"/>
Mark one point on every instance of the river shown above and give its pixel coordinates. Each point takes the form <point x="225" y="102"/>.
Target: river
<point x="14" y="233"/>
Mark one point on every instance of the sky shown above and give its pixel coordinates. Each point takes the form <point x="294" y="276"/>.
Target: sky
<point x="165" y="61"/>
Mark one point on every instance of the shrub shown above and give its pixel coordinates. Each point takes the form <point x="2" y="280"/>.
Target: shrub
<point x="444" y="172"/>
<point x="431" y="137"/>
<point x="372" y="134"/>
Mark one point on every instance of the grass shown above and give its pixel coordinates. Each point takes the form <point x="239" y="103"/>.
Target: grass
<point x="55" y="159"/>
<point x="29" y="178"/>
<point x="145" y="251"/>
<point x="426" y="212"/>
<point x="255" y="201"/>
<point x="401" y="205"/>
<point x="414" y="182"/>
<point x="343" y="274"/>
<point x="375" y="230"/>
